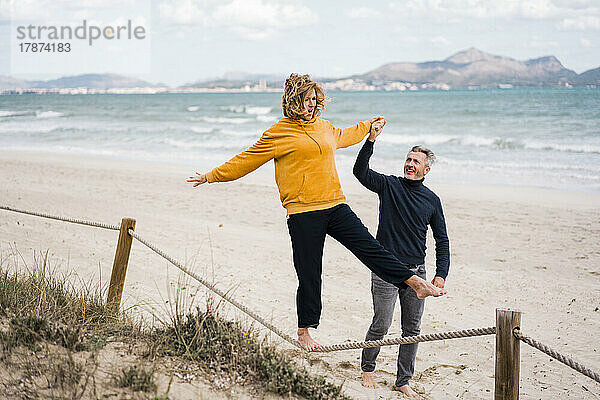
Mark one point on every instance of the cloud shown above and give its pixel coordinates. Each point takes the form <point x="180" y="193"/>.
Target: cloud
<point x="581" y="23"/>
<point x="121" y="21"/>
<point x="57" y="10"/>
<point x="87" y="4"/>
<point x="24" y="10"/>
<point x="455" y="10"/>
<point x="585" y="42"/>
<point x="254" y="33"/>
<point x="363" y="13"/>
<point x="440" y="41"/>
<point x="575" y="4"/>
<point x="259" y="18"/>
<point x="250" y="19"/>
<point x="182" y="12"/>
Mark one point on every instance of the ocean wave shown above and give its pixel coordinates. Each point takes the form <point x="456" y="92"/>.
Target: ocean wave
<point x="6" y="113"/>
<point x="225" y="120"/>
<point x="28" y="129"/>
<point x="410" y="139"/>
<point x="251" y="110"/>
<point x="239" y="133"/>
<point x="234" y="109"/>
<point x="266" y="118"/>
<point x="551" y="173"/>
<point x="504" y="143"/>
<point x="201" y="129"/>
<point x="258" y="110"/>
<point x="193" y="108"/>
<point x="204" y="144"/>
<point x="468" y="140"/>
<point x="571" y="148"/>
<point x="482" y="141"/>
<point x="516" y="165"/>
<point x="48" y="114"/>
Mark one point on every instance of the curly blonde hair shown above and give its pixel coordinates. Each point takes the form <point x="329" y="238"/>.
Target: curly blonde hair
<point x="295" y="90"/>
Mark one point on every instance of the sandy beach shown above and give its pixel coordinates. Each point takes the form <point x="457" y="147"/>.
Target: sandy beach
<point x="535" y="250"/>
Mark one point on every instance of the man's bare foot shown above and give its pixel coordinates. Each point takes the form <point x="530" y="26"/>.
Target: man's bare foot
<point x="424" y="288"/>
<point x="306" y="341"/>
<point x="407" y="390"/>
<point x="368" y="380"/>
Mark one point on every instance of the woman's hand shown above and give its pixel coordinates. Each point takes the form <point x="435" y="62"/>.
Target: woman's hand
<point x="199" y="179"/>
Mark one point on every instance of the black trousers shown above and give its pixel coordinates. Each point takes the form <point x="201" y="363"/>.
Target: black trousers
<point x="308" y="230"/>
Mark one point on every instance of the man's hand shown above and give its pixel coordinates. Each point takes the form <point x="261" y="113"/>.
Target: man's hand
<point x="439" y="282"/>
<point x="377" y="124"/>
<point x="198" y="179"/>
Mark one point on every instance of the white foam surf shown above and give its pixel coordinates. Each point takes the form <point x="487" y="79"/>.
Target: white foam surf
<point x="48" y="114"/>
<point x="266" y="118"/>
<point x="258" y="110"/>
<point x="226" y="120"/>
<point x="7" y="113"/>
<point x="201" y="129"/>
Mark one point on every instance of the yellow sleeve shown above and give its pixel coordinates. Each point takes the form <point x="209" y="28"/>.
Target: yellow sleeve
<point x="247" y="161"/>
<point x="352" y="135"/>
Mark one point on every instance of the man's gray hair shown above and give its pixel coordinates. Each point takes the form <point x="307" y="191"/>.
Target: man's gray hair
<point x="430" y="157"/>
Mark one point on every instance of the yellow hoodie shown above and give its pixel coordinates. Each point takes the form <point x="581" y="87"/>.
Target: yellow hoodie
<point x="305" y="170"/>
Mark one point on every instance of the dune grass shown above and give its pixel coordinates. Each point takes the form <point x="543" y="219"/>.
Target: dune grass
<point x="53" y="326"/>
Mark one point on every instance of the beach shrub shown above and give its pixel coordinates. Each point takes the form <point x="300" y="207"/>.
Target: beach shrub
<point x="226" y="346"/>
<point x="136" y="378"/>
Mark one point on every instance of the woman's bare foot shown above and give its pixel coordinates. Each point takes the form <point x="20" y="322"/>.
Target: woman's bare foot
<point x="407" y="391"/>
<point x="306" y="341"/>
<point x="368" y="380"/>
<point x="424" y="288"/>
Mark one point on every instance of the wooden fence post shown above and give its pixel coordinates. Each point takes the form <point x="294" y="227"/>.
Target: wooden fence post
<point x="508" y="355"/>
<point x="117" y="279"/>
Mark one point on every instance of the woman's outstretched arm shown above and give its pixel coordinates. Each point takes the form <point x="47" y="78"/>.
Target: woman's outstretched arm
<point x="242" y="164"/>
<point x="354" y="134"/>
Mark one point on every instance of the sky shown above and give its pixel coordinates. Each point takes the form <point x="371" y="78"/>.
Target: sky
<point x="187" y="41"/>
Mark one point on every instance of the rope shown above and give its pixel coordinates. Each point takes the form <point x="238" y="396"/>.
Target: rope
<point x="212" y="288"/>
<point x="61" y="218"/>
<point x="408" y="339"/>
<point x="557" y="356"/>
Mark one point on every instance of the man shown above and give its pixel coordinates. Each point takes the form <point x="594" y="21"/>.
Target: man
<point x="406" y="207"/>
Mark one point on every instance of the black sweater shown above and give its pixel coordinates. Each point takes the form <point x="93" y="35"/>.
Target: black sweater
<point x="406" y="207"/>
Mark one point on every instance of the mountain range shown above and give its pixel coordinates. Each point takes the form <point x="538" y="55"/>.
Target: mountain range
<point x="471" y="68"/>
<point x="94" y="81"/>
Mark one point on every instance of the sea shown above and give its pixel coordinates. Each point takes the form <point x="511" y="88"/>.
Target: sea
<point x="525" y="137"/>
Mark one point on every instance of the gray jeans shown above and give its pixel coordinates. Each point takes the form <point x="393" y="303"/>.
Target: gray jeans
<point x="411" y="307"/>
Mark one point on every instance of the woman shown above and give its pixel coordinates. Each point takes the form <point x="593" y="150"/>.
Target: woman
<point x="302" y="147"/>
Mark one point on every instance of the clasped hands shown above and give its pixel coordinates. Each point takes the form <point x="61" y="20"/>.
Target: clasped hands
<point x="377" y="124"/>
